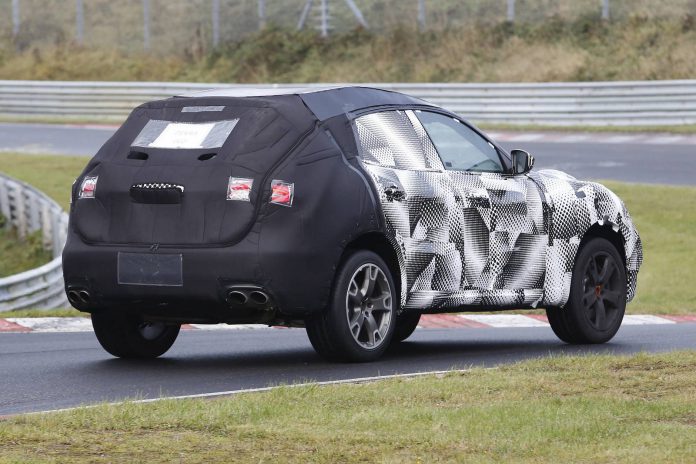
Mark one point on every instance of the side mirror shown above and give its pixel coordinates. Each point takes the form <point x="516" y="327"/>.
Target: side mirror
<point x="522" y="162"/>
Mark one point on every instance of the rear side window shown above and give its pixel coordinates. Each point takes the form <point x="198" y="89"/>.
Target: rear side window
<point x="460" y="148"/>
<point x="396" y="139"/>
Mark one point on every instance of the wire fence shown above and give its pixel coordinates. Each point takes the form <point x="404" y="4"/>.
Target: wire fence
<point x="174" y="25"/>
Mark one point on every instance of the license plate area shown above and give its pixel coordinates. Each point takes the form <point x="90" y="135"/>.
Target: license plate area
<point x="159" y="270"/>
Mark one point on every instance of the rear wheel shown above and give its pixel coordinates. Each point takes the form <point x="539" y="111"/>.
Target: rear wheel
<point x="359" y="322"/>
<point x="406" y="324"/>
<point x="129" y="336"/>
<point x="597" y="299"/>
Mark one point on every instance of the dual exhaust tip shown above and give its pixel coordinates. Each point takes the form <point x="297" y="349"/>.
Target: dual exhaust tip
<point x="79" y="296"/>
<point x="241" y="297"/>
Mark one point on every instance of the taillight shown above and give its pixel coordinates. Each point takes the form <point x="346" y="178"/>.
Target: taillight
<point x="282" y="192"/>
<point x="239" y="188"/>
<point x="88" y="187"/>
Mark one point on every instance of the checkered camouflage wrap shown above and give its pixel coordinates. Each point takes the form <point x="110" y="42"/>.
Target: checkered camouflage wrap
<point x="470" y="239"/>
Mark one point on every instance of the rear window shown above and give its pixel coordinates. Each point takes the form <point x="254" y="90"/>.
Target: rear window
<point x="184" y="135"/>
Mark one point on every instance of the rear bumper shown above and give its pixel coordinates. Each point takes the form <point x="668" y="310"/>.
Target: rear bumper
<point x="224" y="284"/>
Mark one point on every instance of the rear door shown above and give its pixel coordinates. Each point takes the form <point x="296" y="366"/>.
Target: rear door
<point x="418" y="204"/>
<point x="504" y="227"/>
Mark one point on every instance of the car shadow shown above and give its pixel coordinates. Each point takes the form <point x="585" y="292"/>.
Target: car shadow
<point x="295" y="359"/>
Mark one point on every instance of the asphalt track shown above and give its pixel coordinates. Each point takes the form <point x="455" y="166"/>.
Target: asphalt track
<point x="596" y="157"/>
<point x="45" y="371"/>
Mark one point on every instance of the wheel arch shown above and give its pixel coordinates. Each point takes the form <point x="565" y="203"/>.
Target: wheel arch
<point x="386" y="249"/>
<point x="607" y="232"/>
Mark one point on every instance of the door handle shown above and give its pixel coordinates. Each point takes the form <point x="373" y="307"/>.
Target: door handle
<point x="393" y="193"/>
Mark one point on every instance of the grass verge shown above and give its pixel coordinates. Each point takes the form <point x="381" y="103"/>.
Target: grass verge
<point x="62" y="312"/>
<point x="19" y="255"/>
<point x="665" y="217"/>
<point x="639" y="409"/>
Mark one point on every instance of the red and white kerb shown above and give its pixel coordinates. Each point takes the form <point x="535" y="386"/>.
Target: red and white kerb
<point x="88" y="187"/>
<point x="239" y="188"/>
<point x="282" y="193"/>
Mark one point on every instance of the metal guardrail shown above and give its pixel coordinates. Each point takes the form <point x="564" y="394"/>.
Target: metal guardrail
<point x="28" y="210"/>
<point x="650" y="103"/>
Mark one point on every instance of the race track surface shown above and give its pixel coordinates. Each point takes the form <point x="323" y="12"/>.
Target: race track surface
<point x="44" y="371"/>
<point x="643" y="158"/>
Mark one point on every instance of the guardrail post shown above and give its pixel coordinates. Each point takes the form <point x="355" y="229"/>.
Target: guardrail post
<point x="79" y="21"/>
<point x="511" y="11"/>
<point x="15" y="18"/>
<point x="262" y="14"/>
<point x="421" y="15"/>
<point x="216" y="22"/>
<point x="146" y="24"/>
<point x="20" y="215"/>
<point x="5" y="204"/>
<point x="605" y="10"/>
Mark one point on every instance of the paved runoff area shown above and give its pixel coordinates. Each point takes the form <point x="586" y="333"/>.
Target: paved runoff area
<point x="429" y="321"/>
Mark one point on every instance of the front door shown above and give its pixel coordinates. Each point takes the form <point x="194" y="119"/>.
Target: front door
<point x="504" y="222"/>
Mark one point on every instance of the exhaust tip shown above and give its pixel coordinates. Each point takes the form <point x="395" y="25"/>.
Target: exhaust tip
<point x="84" y="296"/>
<point x="258" y="297"/>
<point x="73" y="297"/>
<point x="235" y="297"/>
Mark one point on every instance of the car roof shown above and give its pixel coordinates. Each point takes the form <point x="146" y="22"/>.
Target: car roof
<point x="325" y="101"/>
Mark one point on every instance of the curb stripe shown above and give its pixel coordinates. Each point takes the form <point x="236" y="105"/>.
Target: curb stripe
<point x="8" y="326"/>
<point x="428" y="321"/>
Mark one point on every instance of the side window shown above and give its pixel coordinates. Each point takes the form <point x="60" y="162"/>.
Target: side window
<point x="460" y="148"/>
<point x="396" y="139"/>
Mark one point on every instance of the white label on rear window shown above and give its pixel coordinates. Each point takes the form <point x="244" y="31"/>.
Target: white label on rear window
<point x="184" y="135"/>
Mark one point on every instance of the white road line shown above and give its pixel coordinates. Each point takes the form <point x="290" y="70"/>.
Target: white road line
<point x="357" y="380"/>
<point x="505" y="320"/>
<point x="645" y="319"/>
<point x="667" y="140"/>
<point x="525" y="137"/>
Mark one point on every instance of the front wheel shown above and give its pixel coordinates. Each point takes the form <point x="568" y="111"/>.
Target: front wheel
<point x="597" y="299"/>
<point x="129" y="336"/>
<point x="359" y="322"/>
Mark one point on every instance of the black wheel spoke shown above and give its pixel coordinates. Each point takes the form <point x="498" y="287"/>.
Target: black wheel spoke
<point x="607" y="271"/>
<point x="600" y="314"/>
<point x="589" y="297"/>
<point x="612" y="297"/>
<point x="594" y="272"/>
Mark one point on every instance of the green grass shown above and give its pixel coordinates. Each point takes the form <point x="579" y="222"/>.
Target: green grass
<point x="666" y="220"/>
<point x="665" y="217"/>
<point x="53" y="175"/>
<point x="594" y="409"/>
<point x="64" y="312"/>
<point x="18" y="255"/>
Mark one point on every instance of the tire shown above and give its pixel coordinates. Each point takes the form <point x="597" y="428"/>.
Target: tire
<point x="597" y="301"/>
<point x="129" y="336"/>
<point x="359" y="322"/>
<point x="405" y="326"/>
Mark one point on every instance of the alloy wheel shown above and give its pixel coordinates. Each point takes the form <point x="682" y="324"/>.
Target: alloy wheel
<point x="369" y="306"/>
<point x="602" y="292"/>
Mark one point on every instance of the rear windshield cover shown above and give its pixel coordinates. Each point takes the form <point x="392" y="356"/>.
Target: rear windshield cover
<point x="184" y="135"/>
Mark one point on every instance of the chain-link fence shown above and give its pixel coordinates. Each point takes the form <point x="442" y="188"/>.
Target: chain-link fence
<point x="166" y="26"/>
